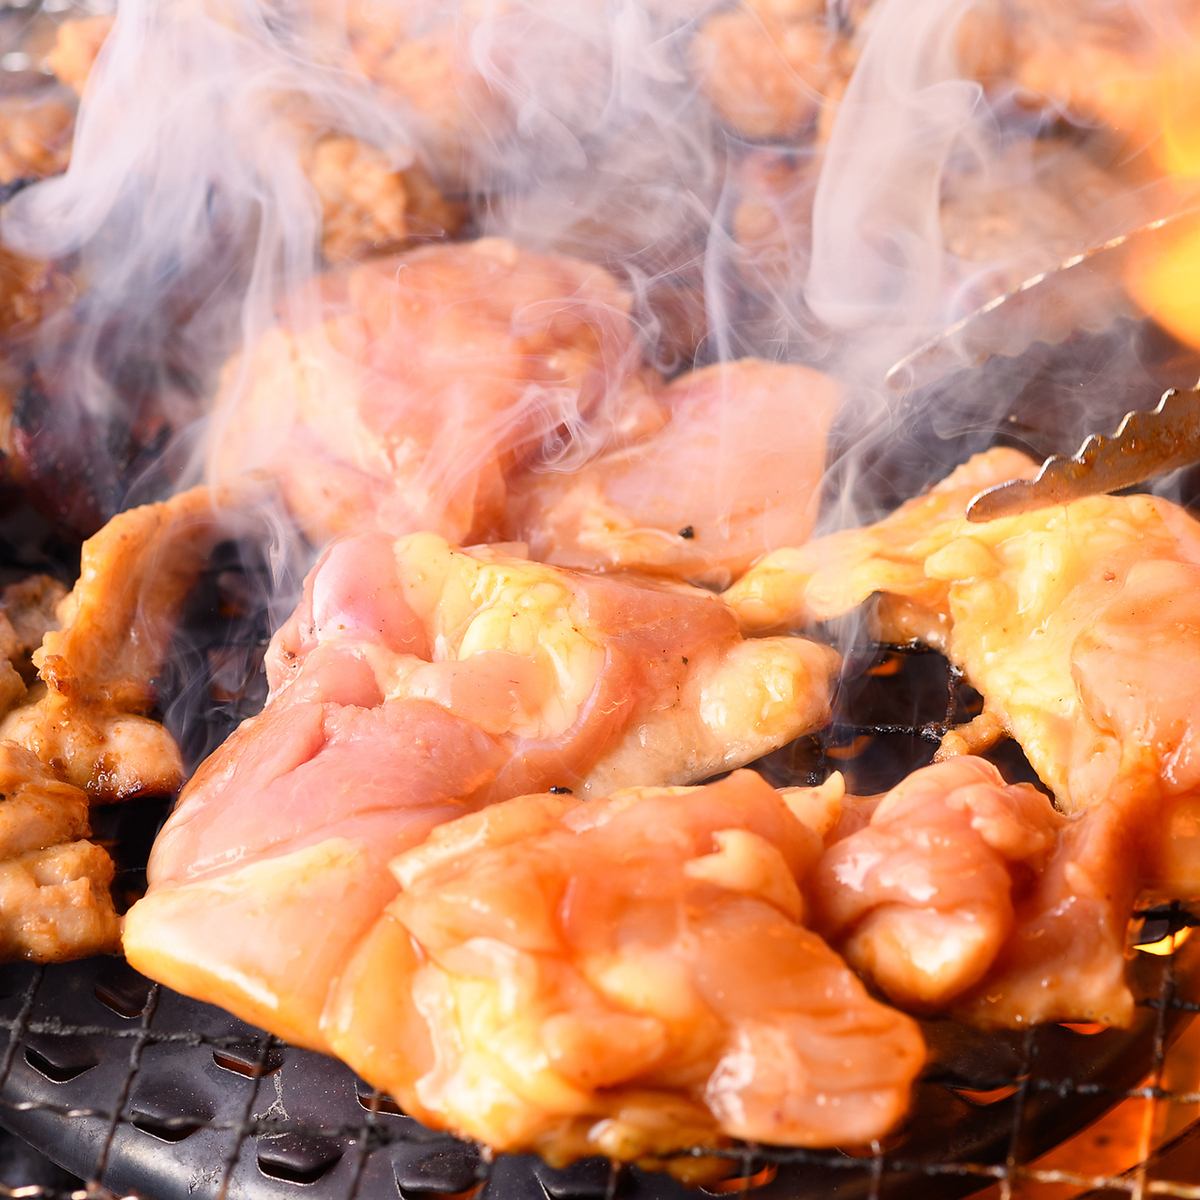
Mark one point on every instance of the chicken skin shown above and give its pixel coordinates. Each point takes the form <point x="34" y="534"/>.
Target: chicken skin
<point x="957" y="892"/>
<point x="1080" y="625"/>
<point x="416" y="683"/>
<point x="418" y="385"/>
<point x="1072" y="621"/>
<point x="627" y="976"/>
<point x="732" y="471"/>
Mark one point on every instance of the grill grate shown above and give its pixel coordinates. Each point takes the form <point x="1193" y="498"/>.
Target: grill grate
<point x="139" y="1090"/>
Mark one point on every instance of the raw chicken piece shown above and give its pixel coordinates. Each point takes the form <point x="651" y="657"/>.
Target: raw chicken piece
<point x="419" y="383"/>
<point x="87" y="718"/>
<point x="831" y="576"/>
<point x="414" y="683"/>
<point x="1080" y="625"/>
<point x="628" y="976"/>
<point x="54" y="899"/>
<point x="731" y="472"/>
<point x="765" y="66"/>
<point x="956" y="892"/>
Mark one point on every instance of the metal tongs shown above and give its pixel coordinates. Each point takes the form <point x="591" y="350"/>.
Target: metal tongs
<point x="1144" y="445"/>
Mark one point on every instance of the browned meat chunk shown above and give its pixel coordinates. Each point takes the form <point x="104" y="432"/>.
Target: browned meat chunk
<point x="368" y="207"/>
<point x="87" y="718"/>
<point x="54" y="885"/>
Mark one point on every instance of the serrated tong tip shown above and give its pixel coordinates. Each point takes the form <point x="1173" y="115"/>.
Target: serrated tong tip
<point x="1145" y="444"/>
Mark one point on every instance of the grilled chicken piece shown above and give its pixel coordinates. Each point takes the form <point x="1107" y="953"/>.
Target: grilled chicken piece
<point x="1072" y="621"/>
<point x="414" y="683"/>
<point x="732" y="471"/>
<point x="1095" y="64"/>
<point x="368" y="207"/>
<point x="378" y="415"/>
<point x="87" y="719"/>
<point x="54" y="884"/>
<point x="77" y="44"/>
<point x="35" y="136"/>
<point x="28" y="609"/>
<point x="766" y="66"/>
<point x="627" y="976"/>
<point x="831" y="576"/>
<point x="957" y="892"/>
<point x="1080" y="625"/>
<point x="428" y="64"/>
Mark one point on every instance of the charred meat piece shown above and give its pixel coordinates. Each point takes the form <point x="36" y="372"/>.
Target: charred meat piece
<point x="375" y="415"/>
<point x="415" y="683"/>
<point x="627" y="976"/>
<point x="88" y="717"/>
<point x="731" y="471"/>
<point x="54" y="884"/>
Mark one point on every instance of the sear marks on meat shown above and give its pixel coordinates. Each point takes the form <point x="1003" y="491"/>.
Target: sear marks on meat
<point x="766" y="66"/>
<point x="55" y="902"/>
<point x="414" y="683"/>
<point x="731" y="471"/>
<point x="627" y="976"/>
<point x="88" y="717"/>
<point x="373" y="415"/>
<point x="369" y="207"/>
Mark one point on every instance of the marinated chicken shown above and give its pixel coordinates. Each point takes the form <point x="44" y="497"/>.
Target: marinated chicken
<point x="423" y="59"/>
<point x="28" y="610"/>
<point x="625" y="976"/>
<point x="77" y="44"/>
<point x="420" y="384"/>
<point x="416" y="683"/>
<point x="368" y="207"/>
<point x="957" y="892"/>
<point x="54" y="883"/>
<point x="87" y="717"/>
<point x="1067" y="619"/>
<point x="767" y="66"/>
<point x="732" y="471"/>
<point x="1096" y="64"/>
<point x="35" y="136"/>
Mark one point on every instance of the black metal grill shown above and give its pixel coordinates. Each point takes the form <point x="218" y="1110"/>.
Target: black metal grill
<point x="136" y="1089"/>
